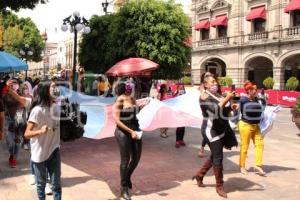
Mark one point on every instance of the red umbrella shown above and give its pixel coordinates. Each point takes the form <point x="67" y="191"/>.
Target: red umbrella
<point x="132" y="66"/>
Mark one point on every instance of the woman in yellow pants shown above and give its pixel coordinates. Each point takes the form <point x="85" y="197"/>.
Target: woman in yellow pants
<point x="249" y="128"/>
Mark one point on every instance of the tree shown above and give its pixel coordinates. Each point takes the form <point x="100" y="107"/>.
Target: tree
<point x="95" y="48"/>
<point x="16" y="5"/>
<point x="18" y="32"/>
<point x="152" y="29"/>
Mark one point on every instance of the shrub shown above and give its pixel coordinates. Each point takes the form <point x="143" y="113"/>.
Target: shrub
<point x="225" y="81"/>
<point x="292" y="83"/>
<point x="269" y="83"/>
<point x="186" y="80"/>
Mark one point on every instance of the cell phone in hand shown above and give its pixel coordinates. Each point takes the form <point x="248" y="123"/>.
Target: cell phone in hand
<point x="232" y="87"/>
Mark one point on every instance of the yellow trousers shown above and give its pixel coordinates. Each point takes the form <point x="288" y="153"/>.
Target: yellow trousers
<point x="247" y="132"/>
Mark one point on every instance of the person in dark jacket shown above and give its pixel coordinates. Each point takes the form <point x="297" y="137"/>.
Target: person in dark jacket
<point x="215" y="111"/>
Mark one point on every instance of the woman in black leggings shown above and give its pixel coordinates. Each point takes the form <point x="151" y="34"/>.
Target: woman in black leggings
<point x="125" y="110"/>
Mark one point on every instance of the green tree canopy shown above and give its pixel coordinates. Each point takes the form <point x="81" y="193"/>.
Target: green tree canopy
<point x="18" y="32"/>
<point x="16" y="5"/>
<point x="95" y="48"/>
<point x="152" y="29"/>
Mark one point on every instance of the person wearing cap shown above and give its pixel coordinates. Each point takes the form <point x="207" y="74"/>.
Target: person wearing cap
<point x="251" y="111"/>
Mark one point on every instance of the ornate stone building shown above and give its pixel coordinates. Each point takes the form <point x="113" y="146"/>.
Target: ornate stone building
<point x="246" y="39"/>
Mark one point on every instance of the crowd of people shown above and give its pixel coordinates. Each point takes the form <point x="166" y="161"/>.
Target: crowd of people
<point x="29" y="111"/>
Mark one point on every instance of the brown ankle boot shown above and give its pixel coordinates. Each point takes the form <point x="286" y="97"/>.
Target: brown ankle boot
<point x="201" y="173"/>
<point x="218" y="171"/>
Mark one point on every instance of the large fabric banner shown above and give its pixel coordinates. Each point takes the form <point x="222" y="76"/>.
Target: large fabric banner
<point x="181" y="111"/>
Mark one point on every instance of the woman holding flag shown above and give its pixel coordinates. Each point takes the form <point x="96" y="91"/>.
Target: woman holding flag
<point x="215" y="126"/>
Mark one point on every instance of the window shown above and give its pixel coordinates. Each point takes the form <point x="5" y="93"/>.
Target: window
<point x="259" y="25"/>
<point x="204" y="34"/>
<point x="296" y="18"/>
<point x="222" y="31"/>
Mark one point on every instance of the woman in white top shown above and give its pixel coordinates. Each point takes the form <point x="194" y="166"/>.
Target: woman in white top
<point x="43" y="129"/>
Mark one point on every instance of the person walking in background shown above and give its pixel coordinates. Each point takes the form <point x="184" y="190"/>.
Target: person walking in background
<point x="163" y="95"/>
<point x="103" y="86"/>
<point x="124" y="111"/>
<point x="215" y="110"/>
<point x="180" y="131"/>
<point x="43" y="130"/>
<point x="13" y="137"/>
<point x="22" y="114"/>
<point x="251" y="111"/>
<point x="94" y="87"/>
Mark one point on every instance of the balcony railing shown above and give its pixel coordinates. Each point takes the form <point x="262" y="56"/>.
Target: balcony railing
<point x="293" y="31"/>
<point x="258" y="36"/>
<point x="218" y="41"/>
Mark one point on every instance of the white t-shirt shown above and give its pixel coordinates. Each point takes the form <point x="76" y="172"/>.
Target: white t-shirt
<point x="43" y="146"/>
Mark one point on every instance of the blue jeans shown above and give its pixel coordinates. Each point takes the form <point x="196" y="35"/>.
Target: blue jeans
<point x="13" y="140"/>
<point x="53" y="166"/>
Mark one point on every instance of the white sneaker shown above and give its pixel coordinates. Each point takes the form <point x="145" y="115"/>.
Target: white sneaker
<point x="48" y="189"/>
<point x="31" y="180"/>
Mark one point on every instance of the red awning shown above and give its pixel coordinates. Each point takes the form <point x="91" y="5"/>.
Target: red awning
<point x="293" y="5"/>
<point x="220" y="21"/>
<point x="203" y="24"/>
<point x="257" y="13"/>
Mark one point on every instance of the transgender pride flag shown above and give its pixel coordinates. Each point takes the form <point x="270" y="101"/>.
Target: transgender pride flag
<point x="181" y="111"/>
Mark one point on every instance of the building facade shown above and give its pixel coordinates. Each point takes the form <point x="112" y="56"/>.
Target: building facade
<point x="246" y="40"/>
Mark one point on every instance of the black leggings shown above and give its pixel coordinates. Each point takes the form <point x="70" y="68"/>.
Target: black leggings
<point x="180" y="133"/>
<point x="216" y="149"/>
<point x="130" y="151"/>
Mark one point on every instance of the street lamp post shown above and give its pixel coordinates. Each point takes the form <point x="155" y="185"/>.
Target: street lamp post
<point x="76" y="24"/>
<point x="44" y="36"/>
<point x="25" y="51"/>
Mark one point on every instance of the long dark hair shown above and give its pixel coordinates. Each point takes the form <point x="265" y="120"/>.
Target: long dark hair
<point x="43" y="97"/>
<point x="120" y="89"/>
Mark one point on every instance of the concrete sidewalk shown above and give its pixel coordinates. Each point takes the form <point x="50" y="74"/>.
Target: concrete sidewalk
<point x="90" y="169"/>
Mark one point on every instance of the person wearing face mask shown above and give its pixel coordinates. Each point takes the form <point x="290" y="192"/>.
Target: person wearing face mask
<point x="13" y="137"/>
<point x="22" y="114"/>
<point x="43" y="130"/>
<point x="125" y="110"/>
<point x="251" y="111"/>
<point x="215" y="110"/>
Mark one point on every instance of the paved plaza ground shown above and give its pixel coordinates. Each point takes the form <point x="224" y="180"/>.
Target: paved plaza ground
<point x="90" y="169"/>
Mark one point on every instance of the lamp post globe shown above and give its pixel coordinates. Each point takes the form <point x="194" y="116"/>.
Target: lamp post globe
<point x="76" y="14"/>
<point x="79" y="27"/>
<point x="87" y="30"/>
<point x="64" y="27"/>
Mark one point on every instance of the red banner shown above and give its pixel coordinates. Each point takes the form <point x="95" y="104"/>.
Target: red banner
<point x="275" y="97"/>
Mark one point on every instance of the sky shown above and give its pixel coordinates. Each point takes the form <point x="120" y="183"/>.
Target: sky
<point x="49" y="16"/>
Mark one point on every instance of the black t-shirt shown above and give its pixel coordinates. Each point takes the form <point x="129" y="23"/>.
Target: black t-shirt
<point x="251" y="110"/>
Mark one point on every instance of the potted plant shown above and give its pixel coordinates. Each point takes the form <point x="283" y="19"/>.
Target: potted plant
<point x="292" y="83"/>
<point x="296" y="113"/>
<point x="269" y="82"/>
